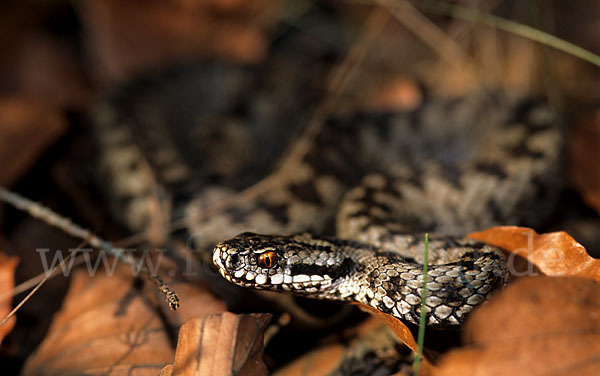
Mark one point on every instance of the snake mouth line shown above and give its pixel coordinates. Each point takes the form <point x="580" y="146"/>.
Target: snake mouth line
<point x="314" y="284"/>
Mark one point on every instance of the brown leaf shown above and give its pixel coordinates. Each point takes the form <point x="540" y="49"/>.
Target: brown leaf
<point x="221" y="344"/>
<point x="584" y="153"/>
<point x="322" y="361"/>
<point x="129" y="37"/>
<point x="196" y="300"/>
<point x="27" y="127"/>
<point x="554" y="254"/>
<point x="363" y="349"/>
<point x="537" y="325"/>
<point x="398" y="92"/>
<point x="403" y="333"/>
<point x="8" y="265"/>
<point x="108" y="326"/>
<point x="43" y="68"/>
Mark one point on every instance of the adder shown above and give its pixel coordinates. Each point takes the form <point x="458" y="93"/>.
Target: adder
<point x="368" y="188"/>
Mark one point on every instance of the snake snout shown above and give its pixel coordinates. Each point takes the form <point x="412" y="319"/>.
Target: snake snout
<point x="217" y="257"/>
<point x="223" y="257"/>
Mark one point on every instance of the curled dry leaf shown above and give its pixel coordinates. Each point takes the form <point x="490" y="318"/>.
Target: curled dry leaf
<point x="554" y="254"/>
<point x="7" y="283"/>
<point x="403" y="333"/>
<point x="221" y="344"/>
<point x="322" y="361"/>
<point x="537" y="325"/>
<point x="584" y="153"/>
<point x="108" y="326"/>
<point x="365" y="349"/>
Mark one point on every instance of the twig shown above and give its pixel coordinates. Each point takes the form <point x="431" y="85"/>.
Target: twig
<point x="31" y="282"/>
<point x="40" y="284"/>
<point x="338" y="80"/>
<point x="48" y="216"/>
<point x="474" y="15"/>
<point x="428" y="32"/>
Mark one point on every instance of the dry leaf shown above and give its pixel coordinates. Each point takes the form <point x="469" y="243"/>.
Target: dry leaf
<point x="398" y="92"/>
<point x="7" y="283"/>
<point x="221" y="344"/>
<point x="129" y="37"/>
<point x="322" y="361"/>
<point x="108" y="326"/>
<point x="27" y="127"/>
<point x="403" y="333"/>
<point x="368" y="348"/>
<point x="196" y="300"/>
<point x="584" y="153"/>
<point x="551" y="254"/>
<point x="538" y="325"/>
<point x="554" y="254"/>
<point x="44" y="68"/>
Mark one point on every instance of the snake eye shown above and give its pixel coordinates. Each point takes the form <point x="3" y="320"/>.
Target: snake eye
<point x="267" y="260"/>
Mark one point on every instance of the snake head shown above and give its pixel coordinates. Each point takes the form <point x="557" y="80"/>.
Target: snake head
<point x="298" y="263"/>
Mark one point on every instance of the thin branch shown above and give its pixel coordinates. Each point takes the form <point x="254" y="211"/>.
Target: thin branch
<point x="31" y="282"/>
<point x="428" y="32"/>
<point x="64" y="224"/>
<point x="40" y="284"/>
<point x="516" y="28"/>
<point x="338" y="80"/>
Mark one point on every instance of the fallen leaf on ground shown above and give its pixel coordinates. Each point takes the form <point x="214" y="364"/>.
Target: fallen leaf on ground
<point x="108" y="326"/>
<point x="7" y="283"/>
<point x="44" y="68"/>
<point x="196" y="300"/>
<point x="27" y="127"/>
<point x="551" y="254"/>
<point x="584" y="153"/>
<point x="221" y="344"/>
<point x="368" y="348"/>
<point x="129" y="37"/>
<point x="537" y="325"/>
<point x="403" y="333"/>
<point x="399" y="92"/>
<point x="321" y="361"/>
<point x="554" y="254"/>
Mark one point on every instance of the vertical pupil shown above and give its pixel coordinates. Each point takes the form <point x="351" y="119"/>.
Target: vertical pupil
<point x="267" y="260"/>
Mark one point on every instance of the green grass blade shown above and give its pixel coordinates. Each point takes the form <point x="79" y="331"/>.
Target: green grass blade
<point x="474" y="15"/>
<point x="421" y="337"/>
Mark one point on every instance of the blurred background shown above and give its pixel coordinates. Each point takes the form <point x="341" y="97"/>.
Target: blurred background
<point x="59" y="58"/>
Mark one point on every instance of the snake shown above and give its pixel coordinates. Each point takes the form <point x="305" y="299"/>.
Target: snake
<point x="376" y="260"/>
<point x="344" y="270"/>
<point x="348" y="223"/>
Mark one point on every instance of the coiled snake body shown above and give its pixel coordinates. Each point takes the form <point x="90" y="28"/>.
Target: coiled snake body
<point x="377" y="260"/>
<point x="371" y="184"/>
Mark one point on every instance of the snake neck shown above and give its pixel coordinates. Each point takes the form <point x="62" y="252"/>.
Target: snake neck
<point x="395" y="285"/>
<point x="346" y="270"/>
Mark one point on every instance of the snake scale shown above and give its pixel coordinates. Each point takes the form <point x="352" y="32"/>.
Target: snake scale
<point x="368" y="188"/>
